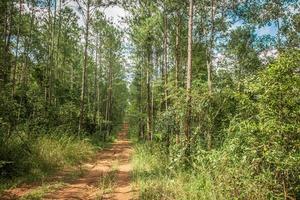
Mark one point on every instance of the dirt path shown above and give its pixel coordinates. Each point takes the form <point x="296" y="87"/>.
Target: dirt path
<point x="108" y="177"/>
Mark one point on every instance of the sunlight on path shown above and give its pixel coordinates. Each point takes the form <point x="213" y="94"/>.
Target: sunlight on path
<point x="91" y="185"/>
<point x="108" y="177"/>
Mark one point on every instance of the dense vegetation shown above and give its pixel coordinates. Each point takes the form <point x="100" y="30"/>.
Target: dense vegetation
<point x="62" y="85"/>
<point x="211" y="95"/>
<point x="216" y="101"/>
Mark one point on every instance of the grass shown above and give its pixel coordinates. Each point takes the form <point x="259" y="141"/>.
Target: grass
<point x="40" y="192"/>
<point x="157" y="177"/>
<point x="33" y="158"/>
<point x="157" y="180"/>
<point x="108" y="180"/>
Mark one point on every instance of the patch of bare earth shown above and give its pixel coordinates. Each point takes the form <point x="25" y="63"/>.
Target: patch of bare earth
<point x="90" y="185"/>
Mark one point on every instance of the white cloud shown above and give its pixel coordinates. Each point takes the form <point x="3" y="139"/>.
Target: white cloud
<point x="266" y="55"/>
<point x="116" y="14"/>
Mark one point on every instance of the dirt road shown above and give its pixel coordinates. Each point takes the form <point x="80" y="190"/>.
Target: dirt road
<point x="108" y="177"/>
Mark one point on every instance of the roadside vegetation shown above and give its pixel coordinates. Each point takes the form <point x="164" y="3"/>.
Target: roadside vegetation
<point x="255" y="154"/>
<point x="215" y="99"/>
<point x="62" y="87"/>
<point x="210" y="90"/>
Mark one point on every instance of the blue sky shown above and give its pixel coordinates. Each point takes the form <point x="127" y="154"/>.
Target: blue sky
<point x="267" y="30"/>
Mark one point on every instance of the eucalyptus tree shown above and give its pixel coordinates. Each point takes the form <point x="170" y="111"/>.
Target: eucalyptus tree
<point x="99" y="25"/>
<point x="145" y="22"/>
<point x="87" y="9"/>
<point x="189" y="71"/>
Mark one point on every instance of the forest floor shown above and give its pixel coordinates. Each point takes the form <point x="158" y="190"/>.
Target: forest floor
<point x="107" y="177"/>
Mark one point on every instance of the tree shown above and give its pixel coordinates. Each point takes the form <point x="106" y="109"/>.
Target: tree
<point x="189" y="72"/>
<point x="84" y="75"/>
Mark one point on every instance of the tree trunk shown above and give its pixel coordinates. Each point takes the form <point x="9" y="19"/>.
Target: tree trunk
<point x="141" y="130"/>
<point x="210" y="50"/>
<point x="149" y="122"/>
<point x="4" y="76"/>
<point x="84" y="76"/>
<point x="52" y="62"/>
<point x="23" y="76"/>
<point x="166" y="61"/>
<point x="209" y="66"/>
<point x="56" y="68"/>
<point x="189" y="72"/>
<point x="109" y="100"/>
<point x="177" y="49"/>
<point x="177" y="64"/>
<point x="17" y="49"/>
<point x="28" y="42"/>
<point x="96" y="82"/>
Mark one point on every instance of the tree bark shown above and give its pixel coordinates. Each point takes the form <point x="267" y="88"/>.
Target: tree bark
<point x="209" y="66"/>
<point x="84" y="74"/>
<point x="148" y="76"/>
<point x="166" y="61"/>
<point x="17" y="49"/>
<point x="177" y="49"/>
<point x="109" y="98"/>
<point x="141" y="123"/>
<point x="5" y="71"/>
<point x="189" y="72"/>
<point x="96" y="82"/>
<point x="210" y="50"/>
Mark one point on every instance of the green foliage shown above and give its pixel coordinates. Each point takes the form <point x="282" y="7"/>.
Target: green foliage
<point x="255" y="137"/>
<point x="268" y="140"/>
<point x="38" y="155"/>
<point x="38" y="193"/>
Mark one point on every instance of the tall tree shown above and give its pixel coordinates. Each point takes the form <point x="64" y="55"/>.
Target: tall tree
<point x="189" y="71"/>
<point x="84" y="69"/>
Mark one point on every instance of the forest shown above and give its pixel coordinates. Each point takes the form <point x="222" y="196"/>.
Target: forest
<point x="150" y="99"/>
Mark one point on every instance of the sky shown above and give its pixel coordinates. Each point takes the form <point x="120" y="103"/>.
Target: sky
<point x="115" y="14"/>
<point x="267" y="30"/>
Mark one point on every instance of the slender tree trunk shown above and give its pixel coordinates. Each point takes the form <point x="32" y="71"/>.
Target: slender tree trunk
<point x="161" y="64"/>
<point x="152" y="110"/>
<point x="149" y="122"/>
<point x="47" y="68"/>
<point x="17" y="49"/>
<point x="189" y="72"/>
<point x="107" y="112"/>
<point x="96" y="82"/>
<point x="23" y="76"/>
<point x="28" y="41"/>
<point x="5" y="71"/>
<point x="177" y="64"/>
<point x="141" y="131"/>
<point x="56" y="67"/>
<point x="52" y="62"/>
<point x="84" y="76"/>
<point x="177" y="49"/>
<point x="166" y="61"/>
<point x="210" y="49"/>
<point x="209" y="66"/>
<point x="109" y="99"/>
<point x="71" y="78"/>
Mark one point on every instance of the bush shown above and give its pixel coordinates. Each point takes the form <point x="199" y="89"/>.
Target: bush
<point x="256" y="143"/>
<point x="39" y="155"/>
<point x="267" y="140"/>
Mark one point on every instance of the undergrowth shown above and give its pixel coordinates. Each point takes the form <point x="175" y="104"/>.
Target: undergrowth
<point x="34" y="157"/>
<point x="108" y="180"/>
<point x="159" y="176"/>
<point x="39" y="192"/>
